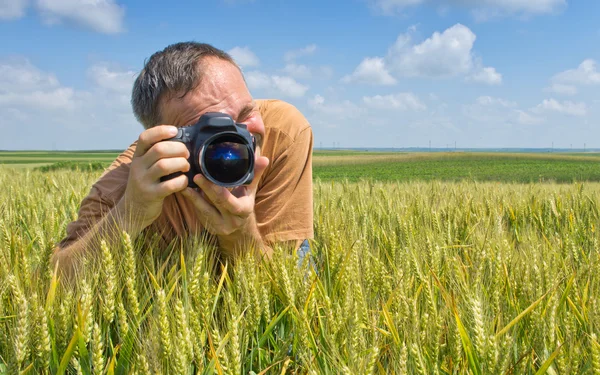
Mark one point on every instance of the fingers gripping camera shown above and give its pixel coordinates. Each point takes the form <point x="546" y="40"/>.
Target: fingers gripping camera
<point x="220" y="149"/>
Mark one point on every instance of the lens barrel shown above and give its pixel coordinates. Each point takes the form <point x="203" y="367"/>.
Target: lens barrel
<point x="227" y="159"/>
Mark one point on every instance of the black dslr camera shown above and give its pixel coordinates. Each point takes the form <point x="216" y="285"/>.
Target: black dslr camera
<point x="220" y="149"/>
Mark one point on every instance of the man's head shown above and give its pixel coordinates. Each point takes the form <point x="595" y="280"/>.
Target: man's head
<point x="185" y="80"/>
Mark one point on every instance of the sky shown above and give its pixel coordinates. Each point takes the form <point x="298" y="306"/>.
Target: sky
<point x="365" y="73"/>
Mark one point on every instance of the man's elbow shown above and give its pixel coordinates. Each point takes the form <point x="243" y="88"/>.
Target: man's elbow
<point x="61" y="261"/>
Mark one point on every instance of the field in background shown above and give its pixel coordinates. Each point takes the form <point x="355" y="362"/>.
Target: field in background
<point x="382" y="166"/>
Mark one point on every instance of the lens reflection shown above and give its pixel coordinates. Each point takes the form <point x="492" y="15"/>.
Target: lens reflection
<point x="227" y="159"/>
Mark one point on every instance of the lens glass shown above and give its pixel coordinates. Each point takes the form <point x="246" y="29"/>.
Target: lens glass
<point x="227" y="159"/>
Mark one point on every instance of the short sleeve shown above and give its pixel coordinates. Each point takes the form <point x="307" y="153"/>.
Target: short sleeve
<point x="91" y="210"/>
<point x="103" y="196"/>
<point x="284" y="200"/>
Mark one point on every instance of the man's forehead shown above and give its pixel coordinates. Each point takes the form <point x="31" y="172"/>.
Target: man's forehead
<point x="223" y="86"/>
<point x="221" y="89"/>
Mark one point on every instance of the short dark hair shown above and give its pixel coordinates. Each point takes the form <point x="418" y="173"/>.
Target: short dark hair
<point x="176" y="70"/>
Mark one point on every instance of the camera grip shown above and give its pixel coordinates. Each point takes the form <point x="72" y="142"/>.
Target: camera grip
<point x="170" y="176"/>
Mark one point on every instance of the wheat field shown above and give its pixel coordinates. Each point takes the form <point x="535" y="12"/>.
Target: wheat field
<point x="404" y="278"/>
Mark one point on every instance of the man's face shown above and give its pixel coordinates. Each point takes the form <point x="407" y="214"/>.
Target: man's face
<point x="222" y="89"/>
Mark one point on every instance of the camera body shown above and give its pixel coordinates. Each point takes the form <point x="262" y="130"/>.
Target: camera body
<point x="220" y="149"/>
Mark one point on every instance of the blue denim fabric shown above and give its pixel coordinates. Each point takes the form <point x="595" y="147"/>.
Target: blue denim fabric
<point x="303" y="252"/>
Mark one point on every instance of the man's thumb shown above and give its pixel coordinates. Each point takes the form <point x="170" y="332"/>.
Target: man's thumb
<point x="260" y="165"/>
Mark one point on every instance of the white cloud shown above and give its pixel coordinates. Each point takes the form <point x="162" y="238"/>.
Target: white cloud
<point x="316" y="101"/>
<point x="288" y="86"/>
<point x="333" y="113"/>
<point x="67" y="117"/>
<point x="528" y="118"/>
<point x="22" y="85"/>
<point x="585" y="74"/>
<point x="375" y="120"/>
<point x="490" y="111"/>
<point x="445" y="54"/>
<point x="371" y="70"/>
<point x="488" y="76"/>
<point x="18" y="74"/>
<point x="565" y="107"/>
<point x="482" y="9"/>
<point x="283" y="85"/>
<point x="491" y="101"/>
<point x="104" y="16"/>
<point x="11" y="9"/>
<point x="120" y="81"/>
<point x="257" y="80"/>
<point x="404" y="101"/>
<point x="486" y="9"/>
<point x="297" y="71"/>
<point x="392" y="6"/>
<point x="301" y="71"/>
<point x="294" y="54"/>
<point x="529" y="6"/>
<point x="563" y="89"/>
<point x="341" y="110"/>
<point x="62" y="98"/>
<point x="442" y="55"/>
<point x="244" y="56"/>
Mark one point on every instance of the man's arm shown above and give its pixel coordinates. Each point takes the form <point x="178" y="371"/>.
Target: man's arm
<point x="141" y="202"/>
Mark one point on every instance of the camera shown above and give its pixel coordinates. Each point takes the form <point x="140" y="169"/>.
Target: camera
<point x="220" y="149"/>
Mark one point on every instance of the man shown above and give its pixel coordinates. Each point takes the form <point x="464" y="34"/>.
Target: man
<point x="177" y="86"/>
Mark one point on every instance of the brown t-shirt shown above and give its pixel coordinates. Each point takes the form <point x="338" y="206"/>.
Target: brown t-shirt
<point x="283" y="205"/>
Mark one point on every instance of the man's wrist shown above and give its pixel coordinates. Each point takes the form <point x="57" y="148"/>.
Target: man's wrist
<point x="247" y="238"/>
<point x="128" y="219"/>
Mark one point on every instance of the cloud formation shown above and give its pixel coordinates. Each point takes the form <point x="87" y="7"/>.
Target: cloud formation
<point x="489" y="111"/>
<point x="443" y="55"/>
<point x="61" y="115"/>
<point x="371" y="70"/>
<point x="294" y="54"/>
<point x="335" y="110"/>
<point x="114" y="80"/>
<point x="481" y="9"/>
<point x="24" y="86"/>
<point x="562" y="89"/>
<point x="275" y="84"/>
<point x="103" y="16"/>
<point x="403" y="101"/>
<point x="12" y="9"/>
<point x="565" y="107"/>
<point x="244" y="57"/>
<point x="487" y="75"/>
<point x="585" y="74"/>
<point x="299" y="71"/>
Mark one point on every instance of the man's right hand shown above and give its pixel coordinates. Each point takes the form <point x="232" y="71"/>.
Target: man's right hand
<point x="153" y="159"/>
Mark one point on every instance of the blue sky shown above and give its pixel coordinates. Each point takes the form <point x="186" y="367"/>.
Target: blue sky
<point x="366" y="73"/>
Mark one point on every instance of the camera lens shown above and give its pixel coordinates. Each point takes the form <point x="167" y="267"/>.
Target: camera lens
<point x="227" y="159"/>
